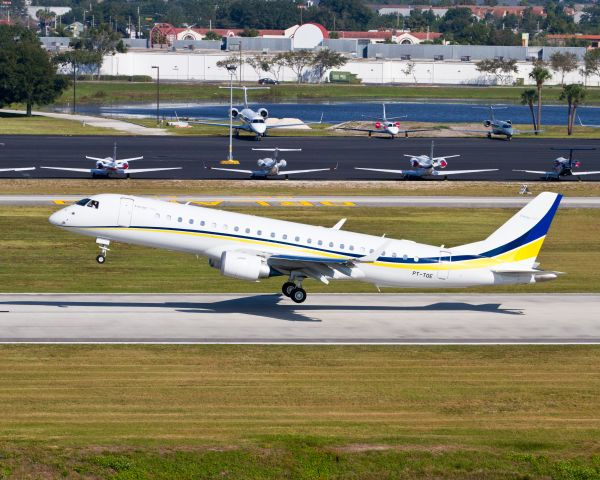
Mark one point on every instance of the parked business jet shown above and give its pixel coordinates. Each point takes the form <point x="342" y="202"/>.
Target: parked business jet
<point x="563" y="167"/>
<point x="386" y="126"/>
<point x="250" y="247"/>
<point x="112" y="167"/>
<point x="425" y="166"/>
<point x="499" y="127"/>
<point x="271" y="167"/>
<point x="251" y="121"/>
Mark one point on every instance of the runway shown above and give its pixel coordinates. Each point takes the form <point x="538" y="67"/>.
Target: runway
<point x="192" y="153"/>
<point x="323" y="319"/>
<point x="320" y="201"/>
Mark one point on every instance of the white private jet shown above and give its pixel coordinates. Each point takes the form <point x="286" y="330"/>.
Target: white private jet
<point x="425" y="166"/>
<point x="251" y="247"/>
<point x="386" y="126"/>
<point x="112" y="167"/>
<point x="563" y="167"/>
<point x="253" y="122"/>
<point x="178" y="123"/>
<point x="271" y="167"/>
<point x="499" y="127"/>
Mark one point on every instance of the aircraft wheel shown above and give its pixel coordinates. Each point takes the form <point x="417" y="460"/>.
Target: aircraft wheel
<point x="101" y="259"/>
<point x="298" y="295"/>
<point x="287" y="288"/>
<point x="489" y="135"/>
<point x="393" y="136"/>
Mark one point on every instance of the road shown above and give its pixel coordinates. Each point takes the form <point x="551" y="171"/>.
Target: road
<point x="323" y="319"/>
<point x="317" y="152"/>
<point x="321" y="201"/>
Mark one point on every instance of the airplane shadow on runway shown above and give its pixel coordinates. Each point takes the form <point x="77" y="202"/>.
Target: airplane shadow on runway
<point x="271" y="306"/>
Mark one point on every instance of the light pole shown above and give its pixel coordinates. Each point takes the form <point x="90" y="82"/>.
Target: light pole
<point x="231" y="69"/>
<point x="157" y="94"/>
<point x="74" y="86"/>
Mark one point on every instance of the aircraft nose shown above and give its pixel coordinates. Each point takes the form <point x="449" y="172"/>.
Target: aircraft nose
<point x="260" y="128"/>
<point x="58" y="218"/>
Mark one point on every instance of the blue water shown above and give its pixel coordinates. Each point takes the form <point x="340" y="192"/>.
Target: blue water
<point x="339" y="112"/>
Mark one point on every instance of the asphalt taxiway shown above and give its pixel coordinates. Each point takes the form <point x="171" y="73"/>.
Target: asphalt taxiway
<point x="192" y="153"/>
<point x="323" y="319"/>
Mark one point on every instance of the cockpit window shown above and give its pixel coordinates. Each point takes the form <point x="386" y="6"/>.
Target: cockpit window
<point x="258" y="120"/>
<point x="83" y="202"/>
<point x="93" y="204"/>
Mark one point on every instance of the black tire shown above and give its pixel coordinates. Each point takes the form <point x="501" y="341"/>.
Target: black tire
<point x="489" y="135"/>
<point x="298" y="295"/>
<point x="101" y="259"/>
<point x="287" y="288"/>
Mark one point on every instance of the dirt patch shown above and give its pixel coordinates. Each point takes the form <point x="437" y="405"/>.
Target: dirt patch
<point x="366" y="447"/>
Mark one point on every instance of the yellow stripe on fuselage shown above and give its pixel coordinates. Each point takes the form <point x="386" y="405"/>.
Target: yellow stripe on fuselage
<point x="523" y="252"/>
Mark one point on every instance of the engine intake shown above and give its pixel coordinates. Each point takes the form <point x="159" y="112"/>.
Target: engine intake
<point x="263" y="112"/>
<point x="243" y="266"/>
<point x="487" y="123"/>
<point x="234" y="112"/>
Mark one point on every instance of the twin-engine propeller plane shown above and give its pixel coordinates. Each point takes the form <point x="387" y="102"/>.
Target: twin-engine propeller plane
<point x="112" y="167"/>
<point x="386" y="126"/>
<point x="249" y="247"/>
<point x="271" y="167"/>
<point x="499" y="127"/>
<point x="563" y="167"/>
<point x="425" y="166"/>
<point x="251" y="121"/>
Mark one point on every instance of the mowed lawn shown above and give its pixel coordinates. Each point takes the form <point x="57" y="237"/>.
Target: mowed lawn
<point x="301" y="412"/>
<point x="38" y="257"/>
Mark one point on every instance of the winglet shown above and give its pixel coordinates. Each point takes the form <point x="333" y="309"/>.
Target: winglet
<point x="333" y="169"/>
<point x="339" y="225"/>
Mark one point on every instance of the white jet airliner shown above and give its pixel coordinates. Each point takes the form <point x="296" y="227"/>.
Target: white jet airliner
<point x="250" y="247"/>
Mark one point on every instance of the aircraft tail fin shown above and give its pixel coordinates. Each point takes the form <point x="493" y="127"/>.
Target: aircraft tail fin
<point x="520" y="239"/>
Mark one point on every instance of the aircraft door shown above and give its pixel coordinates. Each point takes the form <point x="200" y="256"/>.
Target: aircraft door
<point x="444" y="264"/>
<point x="125" y="212"/>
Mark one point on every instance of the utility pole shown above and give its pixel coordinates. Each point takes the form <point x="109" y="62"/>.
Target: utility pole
<point x="157" y="94"/>
<point x="231" y="69"/>
<point x="74" y="86"/>
<point x="139" y="34"/>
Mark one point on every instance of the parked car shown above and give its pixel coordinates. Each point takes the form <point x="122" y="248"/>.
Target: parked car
<point x="267" y="81"/>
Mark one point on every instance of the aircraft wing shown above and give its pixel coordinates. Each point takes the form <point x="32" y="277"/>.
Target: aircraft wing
<point x="443" y="173"/>
<point x="539" y="172"/>
<point x="143" y="170"/>
<point x="385" y="170"/>
<point x="519" y="132"/>
<point x="129" y="159"/>
<point x="250" y="172"/>
<point x="80" y="170"/>
<point x="96" y="159"/>
<point x="293" y="172"/>
<point x="356" y="129"/>
<point x="576" y="174"/>
<point x="299" y="124"/>
<point x="22" y="169"/>
<point x="235" y="125"/>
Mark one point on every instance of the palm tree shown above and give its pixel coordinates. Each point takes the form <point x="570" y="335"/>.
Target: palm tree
<point x="574" y="94"/>
<point x="539" y="74"/>
<point x="529" y="97"/>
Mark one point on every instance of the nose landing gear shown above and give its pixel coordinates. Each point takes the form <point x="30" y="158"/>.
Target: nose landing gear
<point x="103" y="244"/>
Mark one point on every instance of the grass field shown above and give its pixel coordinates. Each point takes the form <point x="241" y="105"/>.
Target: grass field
<point x="38" y="257"/>
<point x="14" y="124"/>
<point x="127" y="92"/>
<point x="269" y="412"/>
<point x="288" y="187"/>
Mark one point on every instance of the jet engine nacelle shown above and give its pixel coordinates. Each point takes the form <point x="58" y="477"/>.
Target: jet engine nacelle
<point x="281" y="164"/>
<point x="415" y="163"/>
<point x="263" y="112"/>
<point x="243" y="266"/>
<point x="377" y="125"/>
<point x="487" y="123"/>
<point x="234" y="112"/>
<point x="442" y="164"/>
<point x="509" y="122"/>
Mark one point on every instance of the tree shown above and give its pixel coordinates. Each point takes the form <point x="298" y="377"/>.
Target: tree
<point x="231" y="60"/>
<point x="409" y="70"/>
<point x="74" y="60"/>
<point x="529" y="97"/>
<point x="591" y="63"/>
<point x="26" y="73"/>
<point x="539" y="74"/>
<point x="102" y="40"/>
<point x="563" y="62"/>
<point x="574" y="95"/>
<point x="297" y="61"/>
<point x="325" y="59"/>
<point x="249" y="32"/>
<point x="501" y="69"/>
<point x="258" y="63"/>
<point x="212" y="35"/>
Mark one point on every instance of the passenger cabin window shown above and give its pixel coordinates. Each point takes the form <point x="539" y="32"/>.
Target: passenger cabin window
<point x="297" y="239"/>
<point x="169" y="218"/>
<point x="259" y="232"/>
<point x="180" y="219"/>
<point x="83" y="202"/>
<point x="371" y="250"/>
<point x="284" y="236"/>
<point x="331" y="244"/>
<point x="351" y="247"/>
<point x="272" y="234"/>
<point x="237" y="229"/>
<point x="191" y="221"/>
<point x="247" y="230"/>
<point x="202" y="222"/>
<point x="309" y="240"/>
<point x="320" y="242"/>
<point x="342" y="246"/>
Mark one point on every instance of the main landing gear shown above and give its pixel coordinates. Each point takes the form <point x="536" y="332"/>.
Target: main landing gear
<point x="103" y="244"/>
<point x="294" y="290"/>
